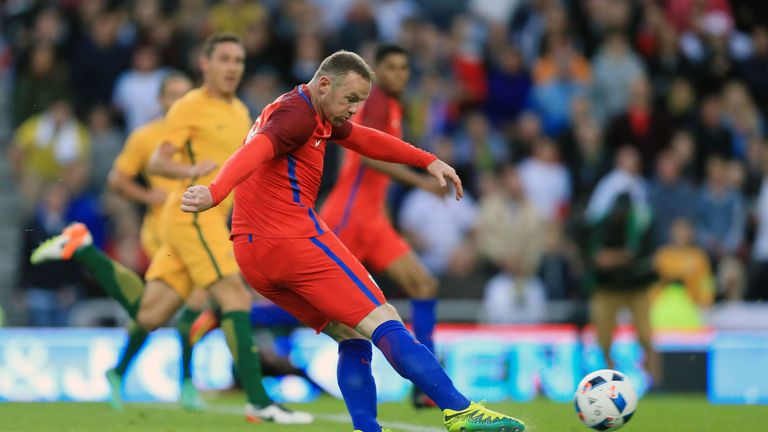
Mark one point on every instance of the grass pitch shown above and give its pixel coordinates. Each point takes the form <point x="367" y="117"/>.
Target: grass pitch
<point x="679" y="413"/>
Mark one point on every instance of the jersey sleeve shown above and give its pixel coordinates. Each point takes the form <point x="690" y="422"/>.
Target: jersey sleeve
<point x="130" y="160"/>
<point x="240" y="165"/>
<point x="379" y="145"/>
<point x="180" y="123"/>
<point x="288" y="128"/>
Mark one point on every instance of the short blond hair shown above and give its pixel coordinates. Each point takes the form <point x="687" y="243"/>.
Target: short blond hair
<point x="342" y="62"/>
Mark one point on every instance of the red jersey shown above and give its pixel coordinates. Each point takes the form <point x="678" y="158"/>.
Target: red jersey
<point x="361" y="192"/>
<point x="276" y="187"/>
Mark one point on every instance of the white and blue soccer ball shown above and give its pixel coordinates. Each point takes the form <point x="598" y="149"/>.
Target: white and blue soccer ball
<point x="605" y="400"/>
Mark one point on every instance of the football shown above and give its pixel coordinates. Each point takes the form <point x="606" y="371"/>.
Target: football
<point x="605" y="400"/>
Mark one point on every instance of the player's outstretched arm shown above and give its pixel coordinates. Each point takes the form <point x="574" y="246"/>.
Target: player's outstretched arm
<point x="238" y="167"/>
<point x="381" y="146"/>
<point x="407" y="176"/>
<point x="161" y="163"/>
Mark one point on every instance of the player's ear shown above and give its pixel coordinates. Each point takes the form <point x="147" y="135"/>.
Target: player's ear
<point x="324" y="84"/>
<point x="202" y="63"/>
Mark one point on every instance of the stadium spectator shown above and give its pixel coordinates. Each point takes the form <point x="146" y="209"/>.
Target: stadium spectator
<point x="133" y="86"/>
<point x="620" y="266"/>
<point x="100" y="57"/>
<point x="710" y="134"/>
<point x="106" y="142"/>
<point x="40" y="82"/>
<point x="478" y="147"/>
<point x="588" y="161"/>
<point x="669" y="196"/>
<point x="560" y="75"/>
<point x="624" y="178"/>
<point x="546" y="181"/>
<point x="755" y="68"/>
<point x="439" y="230"/>
<point x="47" y="147"/>
<point x="614" y="67"/>
<point x="50" y="290"/>
<point x="641" y="125"/>
<point x="235" y="16"/>
<point x="720" y="213"/>
<point x="509" y="85"/>
<point x="682" y="261"/>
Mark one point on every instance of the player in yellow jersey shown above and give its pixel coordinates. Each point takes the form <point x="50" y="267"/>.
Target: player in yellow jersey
<point x="132" y="162"/>
<point x="202" y="129"/>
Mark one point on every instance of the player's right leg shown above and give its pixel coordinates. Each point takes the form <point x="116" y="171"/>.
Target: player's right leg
<point x="604" y="308"/>
<point x="234" y="299"/>
<point x="158" y="304"/>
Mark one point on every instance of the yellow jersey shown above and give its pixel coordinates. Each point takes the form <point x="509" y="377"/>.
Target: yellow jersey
<point x="202" y="127"/>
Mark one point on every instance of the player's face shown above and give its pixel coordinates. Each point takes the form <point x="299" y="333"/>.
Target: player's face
<point x="392" y="74"/>
<point x="224" y="68"/>
<point x="339" y="101"/>
<point x="174" y="89"/>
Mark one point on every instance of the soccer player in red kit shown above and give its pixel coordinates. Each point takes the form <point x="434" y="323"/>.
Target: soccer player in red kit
<point x="355" y="208"/>
<point x="288" y="254"/>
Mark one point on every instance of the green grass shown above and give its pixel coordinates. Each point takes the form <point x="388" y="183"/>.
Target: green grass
<point x="655" y="413"/>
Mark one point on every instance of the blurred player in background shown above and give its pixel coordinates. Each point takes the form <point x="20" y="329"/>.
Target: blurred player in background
<point x="288" y="254"/>
<point x="131" y="162"/>
<point x="202" y="129"/>
<point x="356" y="207"/>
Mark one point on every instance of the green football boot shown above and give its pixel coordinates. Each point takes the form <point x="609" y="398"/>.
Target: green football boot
<point x="190" y="397"/>
<point x="478" y="418"/>
<point x="115" y="387"/>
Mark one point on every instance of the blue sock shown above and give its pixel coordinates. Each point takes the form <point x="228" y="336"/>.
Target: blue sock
<point x="268" y="314"/>
<point x="423" y="320"/>
<point x="356" y="383"/>
<point x="415" y="362"/>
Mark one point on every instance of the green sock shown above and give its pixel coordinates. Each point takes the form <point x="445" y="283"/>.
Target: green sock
<point x="183" y="325"/>
<point x="136" y="338"/>
<point x="121" y="283"/>
<point x="237" y="329"/>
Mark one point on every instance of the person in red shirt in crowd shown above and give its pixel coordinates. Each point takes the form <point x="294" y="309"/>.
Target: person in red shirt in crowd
<point x="356" y="207"/>
<point x="288" y="254"/>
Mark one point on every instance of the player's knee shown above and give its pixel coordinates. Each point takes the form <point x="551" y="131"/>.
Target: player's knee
<point x="427" y="287"/>
<point x="231" y="294"/>
<point x="148" y="320"/>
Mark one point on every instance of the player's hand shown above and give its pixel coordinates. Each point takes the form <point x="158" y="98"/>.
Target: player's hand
<point x="202" y="168"/>
<point x="196" y="199"/>
<point x="440" y="170"/>
<point x="156" y="197"/>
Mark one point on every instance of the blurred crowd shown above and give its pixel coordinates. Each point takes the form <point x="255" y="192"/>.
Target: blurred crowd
<point x="603" y="143"/>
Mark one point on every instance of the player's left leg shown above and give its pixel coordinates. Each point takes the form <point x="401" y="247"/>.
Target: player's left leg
<point x="639" y="303"/>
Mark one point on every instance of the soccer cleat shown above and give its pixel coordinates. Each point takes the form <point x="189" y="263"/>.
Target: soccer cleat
<point x="190" y="398"/>
<point x="478" y="418"/>
<point x="382" y="430"/>
<point x="420" y="400"/>
<point x="115" y="385"/>
<point x="62" y="246"/>
<point x="276" y="413"/>
<point x="205" y="323"/>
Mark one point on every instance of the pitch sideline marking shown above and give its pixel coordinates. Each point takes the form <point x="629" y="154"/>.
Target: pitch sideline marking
<point x="335" y="418"/>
